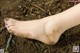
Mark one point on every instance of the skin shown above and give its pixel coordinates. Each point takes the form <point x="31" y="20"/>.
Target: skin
<point x="47" y="30"/>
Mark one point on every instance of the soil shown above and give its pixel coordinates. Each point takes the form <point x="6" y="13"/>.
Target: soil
<point x="36" y="9"/>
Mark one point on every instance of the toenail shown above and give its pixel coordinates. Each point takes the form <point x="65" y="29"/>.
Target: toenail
<point x="6" y="19"/>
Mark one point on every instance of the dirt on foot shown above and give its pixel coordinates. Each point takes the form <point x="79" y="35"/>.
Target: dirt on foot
<point x="36" y="9"/>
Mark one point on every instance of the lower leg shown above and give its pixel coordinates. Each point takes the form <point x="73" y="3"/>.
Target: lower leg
<point x="46" y="30"/>
<point x="70" y="17"/>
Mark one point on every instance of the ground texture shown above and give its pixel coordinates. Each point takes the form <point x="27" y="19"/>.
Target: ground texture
<point x="36" y="9"/>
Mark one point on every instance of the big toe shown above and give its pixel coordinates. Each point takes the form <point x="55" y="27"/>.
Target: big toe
<point x="9" y="22"/>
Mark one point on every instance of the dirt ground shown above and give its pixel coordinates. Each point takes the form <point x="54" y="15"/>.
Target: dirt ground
<point x="36" y="9"/>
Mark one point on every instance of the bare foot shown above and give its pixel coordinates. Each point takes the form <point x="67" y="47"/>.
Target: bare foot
<point x="44" y="31"/>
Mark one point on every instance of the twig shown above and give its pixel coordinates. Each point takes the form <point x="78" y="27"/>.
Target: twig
<point x="49" y="7"/>
<point x="8" y="42"/>
<point x="2" y="29"/>
<point x="38" y="7"/>
<point x="50" y="4"/>
<point x="49" y="12"/>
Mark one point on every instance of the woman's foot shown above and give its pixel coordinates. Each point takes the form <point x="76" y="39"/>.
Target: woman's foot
<point x="45" y="31"/>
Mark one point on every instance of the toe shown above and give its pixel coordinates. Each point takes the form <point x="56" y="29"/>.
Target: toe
<point x="11" y="29"/>
<point x="8" y="22"/>
<point x="6" y="19"/>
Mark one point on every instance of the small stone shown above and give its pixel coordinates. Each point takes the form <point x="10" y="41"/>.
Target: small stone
<point x="19" y="6"/>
